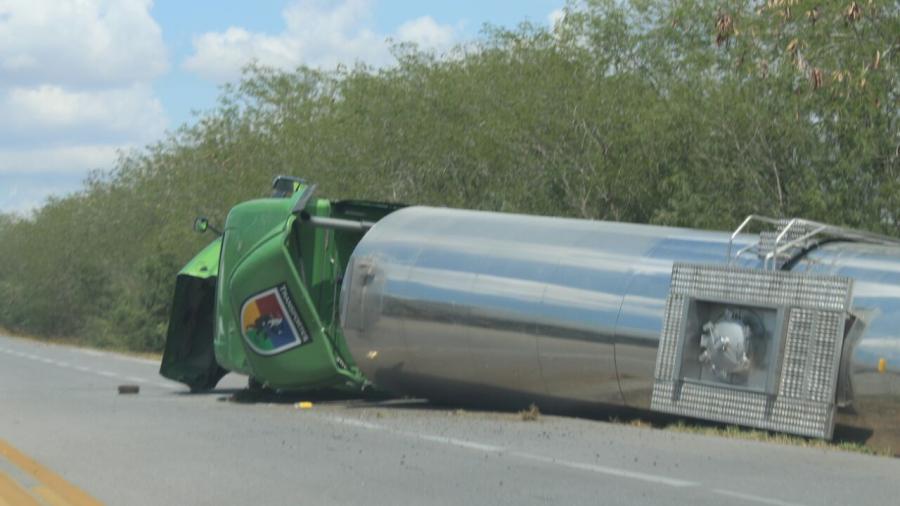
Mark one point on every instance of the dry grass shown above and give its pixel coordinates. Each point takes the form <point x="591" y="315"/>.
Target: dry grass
<point x="735" y="432"/>
<point x="748" y="434"/>
<point x="531" y="414"/>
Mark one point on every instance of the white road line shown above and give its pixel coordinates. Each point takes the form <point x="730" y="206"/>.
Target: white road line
<point x="108" y="374"/>
<point x="582" y="466"/>
<point x="137" y="360"/>
<point x="95" y="353"/>
<point x="86" y="351"/>
<point x="357" y="423"/>
<point x="425" y="437"/>
<point x="611" y="471"/>
<point x="754" y="498"/>
<point x="461" y="443"/>
<point x="474" y="445"/>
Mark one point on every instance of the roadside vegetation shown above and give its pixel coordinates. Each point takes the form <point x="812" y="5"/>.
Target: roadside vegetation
<point x="691" y="113"/>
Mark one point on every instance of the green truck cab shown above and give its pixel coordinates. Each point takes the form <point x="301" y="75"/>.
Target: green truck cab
<point x="262" y="299"/>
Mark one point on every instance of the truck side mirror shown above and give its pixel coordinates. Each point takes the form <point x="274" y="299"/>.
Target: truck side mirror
<point x="201" y="224"/>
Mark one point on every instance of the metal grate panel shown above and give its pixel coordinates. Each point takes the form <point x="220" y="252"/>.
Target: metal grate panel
<point x="665" y="362"/>
<point x="753" y="286"/>
<point x="814" y="307"/>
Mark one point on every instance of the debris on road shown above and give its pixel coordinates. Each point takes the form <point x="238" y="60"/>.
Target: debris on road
<point x="129" y="389"/>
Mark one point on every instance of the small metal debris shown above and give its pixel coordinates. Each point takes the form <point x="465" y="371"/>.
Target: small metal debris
<point x="129" y="389"/>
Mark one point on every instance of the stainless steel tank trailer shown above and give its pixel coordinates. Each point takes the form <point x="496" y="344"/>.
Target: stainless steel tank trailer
<point x="791" y="329"/>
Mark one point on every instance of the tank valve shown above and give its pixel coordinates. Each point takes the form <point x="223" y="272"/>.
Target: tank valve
<point x="725" y="344"/>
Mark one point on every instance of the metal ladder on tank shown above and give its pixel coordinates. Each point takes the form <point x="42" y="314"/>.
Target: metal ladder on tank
<point x="787" y="236"/>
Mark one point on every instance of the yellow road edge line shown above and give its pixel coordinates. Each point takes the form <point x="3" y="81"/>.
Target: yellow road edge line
<point x="72" y="494"/>
<point x="48" y="496"/>
<point x="13" y="494"/>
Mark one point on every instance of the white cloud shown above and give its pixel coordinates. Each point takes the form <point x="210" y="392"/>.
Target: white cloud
<point x="52" y="113"/>
<point x="75" y="88"/>
<point x="79" y="42"/>
<point x="51" y="159"/>
<point x="317" y="34"/>
<point x="426" y="32"/>
<point x="20" y="193"/>
<point x="555" y="17"/>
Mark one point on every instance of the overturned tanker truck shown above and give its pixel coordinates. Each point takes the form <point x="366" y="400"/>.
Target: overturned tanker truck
<point x="793" y="328"/>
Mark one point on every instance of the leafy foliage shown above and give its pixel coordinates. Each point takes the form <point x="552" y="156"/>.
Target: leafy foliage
<point x="690" y="113"/>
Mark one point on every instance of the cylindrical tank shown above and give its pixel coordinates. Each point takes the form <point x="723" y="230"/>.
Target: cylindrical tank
<point x="474" y="306"/>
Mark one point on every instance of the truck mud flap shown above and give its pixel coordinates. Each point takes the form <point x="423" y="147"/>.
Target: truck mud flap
<point x="189" y="357"/>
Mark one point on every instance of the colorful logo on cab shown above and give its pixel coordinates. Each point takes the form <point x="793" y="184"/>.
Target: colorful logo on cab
<point x="270" y="322"/>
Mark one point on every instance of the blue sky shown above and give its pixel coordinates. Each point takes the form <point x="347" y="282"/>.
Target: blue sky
<point x="81" y="80"/>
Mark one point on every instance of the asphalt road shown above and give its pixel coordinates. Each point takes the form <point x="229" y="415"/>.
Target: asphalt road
<point x="68" y="438"/>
